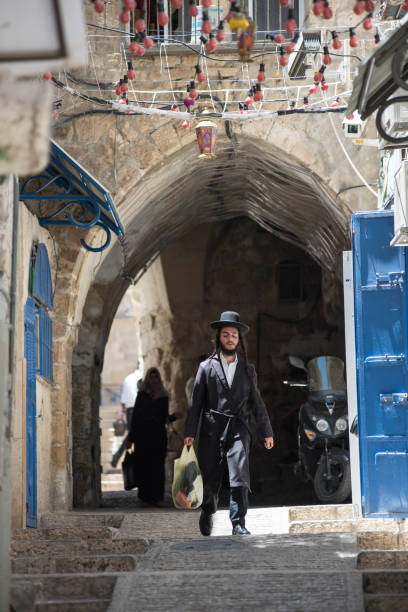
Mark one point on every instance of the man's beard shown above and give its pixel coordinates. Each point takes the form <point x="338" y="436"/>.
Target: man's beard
<point x="226" y="351"/>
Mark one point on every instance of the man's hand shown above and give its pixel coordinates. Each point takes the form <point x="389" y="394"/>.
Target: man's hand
<point x="269" y="443"/>
<point x="188" y="441"/>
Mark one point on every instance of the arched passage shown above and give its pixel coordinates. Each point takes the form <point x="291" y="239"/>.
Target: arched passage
<point x="244" y="181"/>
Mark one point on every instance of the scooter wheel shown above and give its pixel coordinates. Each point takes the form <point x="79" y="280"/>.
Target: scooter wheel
<point x="336" y="490"/>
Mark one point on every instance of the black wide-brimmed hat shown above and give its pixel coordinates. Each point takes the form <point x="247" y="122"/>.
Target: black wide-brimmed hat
<point x="230" y="319"/>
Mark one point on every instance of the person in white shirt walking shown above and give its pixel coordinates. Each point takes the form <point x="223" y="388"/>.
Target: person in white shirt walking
<point x="128" y="393"/>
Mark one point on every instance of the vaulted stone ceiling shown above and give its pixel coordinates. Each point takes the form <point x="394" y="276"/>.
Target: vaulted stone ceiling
<point x="243" y="180"/>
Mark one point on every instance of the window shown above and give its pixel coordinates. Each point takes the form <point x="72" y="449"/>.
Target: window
<point x="180" y="26"/>
<point x="40" y="288"/>
<point x="290" y="281"/>
<point x="270" y="16"/>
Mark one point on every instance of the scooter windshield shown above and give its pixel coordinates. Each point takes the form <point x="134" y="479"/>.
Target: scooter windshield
<point x="326" y="373"/>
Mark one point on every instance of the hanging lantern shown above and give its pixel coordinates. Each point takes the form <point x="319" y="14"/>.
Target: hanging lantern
<point x="242" y="24"/>
<point x="206" y="132"/>
<point x="246" y="39"/>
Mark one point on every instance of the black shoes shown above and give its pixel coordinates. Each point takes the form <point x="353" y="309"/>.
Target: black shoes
<point x="240" y="530"/>
<point x="205" y="523"/>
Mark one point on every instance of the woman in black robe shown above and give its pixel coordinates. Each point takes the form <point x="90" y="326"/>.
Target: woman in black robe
<point x="149" y="436"/>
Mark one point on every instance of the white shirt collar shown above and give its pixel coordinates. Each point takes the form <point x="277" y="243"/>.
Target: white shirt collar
<point x="229" y="368"/>
<point x="224" y="361"/>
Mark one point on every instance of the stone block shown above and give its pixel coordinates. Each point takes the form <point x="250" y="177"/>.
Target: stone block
<point x="166" y="138"/>
<point x="59" y="455"/>
<point x="322" y="527"/>
<point x="385" y="603"/>
<point x="63" y="533"/>
<point x="64" y="133"/>
<point x="401" y="559"/>
<point x="59" y="428"/>
<point x="403" y="540"/>
<point x="377" y="540"/>
<point x="374" y="559"/>
<point x="76" y="587"/>
<point x="354" y="525"/>
<point x="149" y="155"/>
<point x="23" y="596"/>
<point x="99" y="605"/>
<point x="304" y="513"/>
<point x="74" y="565"/>
<point x="381" y="525"/>
<point x="385" y="582"/>
<point x="21" y="547"/>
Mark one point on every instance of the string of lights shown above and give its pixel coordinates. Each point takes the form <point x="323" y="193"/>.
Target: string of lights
<point x="264" y="90"/>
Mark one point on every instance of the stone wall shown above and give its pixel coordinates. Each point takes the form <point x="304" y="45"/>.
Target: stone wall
<point x="6" y="247"/>
<point x="50" y="437"/>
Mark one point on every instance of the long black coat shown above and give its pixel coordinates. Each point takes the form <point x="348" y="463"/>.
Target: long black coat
<point x="148" y="433"/>
<point x="226" y="417"/>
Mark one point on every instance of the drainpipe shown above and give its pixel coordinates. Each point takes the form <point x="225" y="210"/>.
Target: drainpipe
<point x="13" y="292"/>
<point x="8" y="277"/>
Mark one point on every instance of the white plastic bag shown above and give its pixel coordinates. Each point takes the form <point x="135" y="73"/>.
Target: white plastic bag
<point x="187" y="489"/>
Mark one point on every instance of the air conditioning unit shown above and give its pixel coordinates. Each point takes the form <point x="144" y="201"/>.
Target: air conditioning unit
<point x="401" y="206"/>
<point x="301" y="60"/>
<point x="353" y="126"/>
<point x="395" y="122"/>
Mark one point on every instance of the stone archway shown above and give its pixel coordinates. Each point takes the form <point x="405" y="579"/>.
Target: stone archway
<point x="245" y="180"/>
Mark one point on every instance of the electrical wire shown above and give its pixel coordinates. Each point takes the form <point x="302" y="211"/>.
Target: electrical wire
<point x="219" y="59"/>
<point x="350" y="161"/>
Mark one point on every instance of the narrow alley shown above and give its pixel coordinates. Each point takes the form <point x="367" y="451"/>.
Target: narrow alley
<point x="204" y="257"/>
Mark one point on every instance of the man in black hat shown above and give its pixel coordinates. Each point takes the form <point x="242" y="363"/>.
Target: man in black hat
<point x="226" y="396"/>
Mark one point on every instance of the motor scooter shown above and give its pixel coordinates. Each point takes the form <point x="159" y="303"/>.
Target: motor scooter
<point x="323" y="428"/>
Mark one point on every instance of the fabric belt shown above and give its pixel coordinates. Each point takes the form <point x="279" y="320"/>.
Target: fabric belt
<point x="224" y="434"/>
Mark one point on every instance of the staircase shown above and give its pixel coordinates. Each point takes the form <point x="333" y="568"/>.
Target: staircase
<point x="383" y="551"/>
<point x="71" y="562"/>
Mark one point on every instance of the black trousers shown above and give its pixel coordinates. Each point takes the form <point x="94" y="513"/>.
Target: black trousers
<point x="238" y="502"/>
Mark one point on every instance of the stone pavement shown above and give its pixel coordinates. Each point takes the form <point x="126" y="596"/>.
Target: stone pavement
<point x="269" y="570"/>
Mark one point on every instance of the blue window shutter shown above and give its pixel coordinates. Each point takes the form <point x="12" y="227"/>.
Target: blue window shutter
<point x="31" y="399"/>
<point x="42" y="289"/>
<point x="45" y="344"/>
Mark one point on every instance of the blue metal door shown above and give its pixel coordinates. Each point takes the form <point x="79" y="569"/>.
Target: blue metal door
<point x="31" y="433"/>
<point x="380" y="302"/>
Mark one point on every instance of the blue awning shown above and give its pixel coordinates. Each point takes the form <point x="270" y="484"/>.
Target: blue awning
<point x="66" y="181"/>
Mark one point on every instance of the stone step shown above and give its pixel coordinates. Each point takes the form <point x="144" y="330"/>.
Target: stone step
<point x="323" y="513"/>
<point x="112" y="482"/>
<point x="84" y="520"/>
<point x="22" y="547"/>
<point x="341" y="526"/>
<point x="111" y="485"/>
<point x="383" y="582"/>
<point x="90" y="605"/>
<point x="382" y="559"/>
<point x="382" y="540"/>
<point x="385" y="603"/>
<point x="65" y="533"/>
<point x="73" y="587"/>
<point x="72" y="565"/>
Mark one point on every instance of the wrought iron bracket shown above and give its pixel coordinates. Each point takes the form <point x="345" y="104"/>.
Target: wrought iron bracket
<point x="85" y="202"/>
